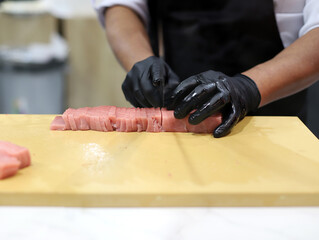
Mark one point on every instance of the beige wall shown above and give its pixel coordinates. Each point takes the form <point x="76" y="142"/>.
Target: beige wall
<point x="23" y="30"/>
<point x="95" y="76"/>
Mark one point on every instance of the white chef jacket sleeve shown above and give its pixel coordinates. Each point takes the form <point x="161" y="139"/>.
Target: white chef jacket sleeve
<point x="310" y="16"/>
<point x="139" y="6"/>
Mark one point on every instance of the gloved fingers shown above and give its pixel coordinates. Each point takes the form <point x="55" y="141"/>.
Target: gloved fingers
<point x="139" y="92"/>
<point x="157" y="73"/>
<point x="131" y="85"/>
<point x="173" y="79"/>
<point x="151" y="94"/>
<point x="127" y="89"/>
<point x="139" y="97"/>
<point x="196" y="98"/>
<point x="209" y="108"/>
<point x="184" y="88"/>
<point x="131" y="99"/>
<point x="172" y="82"/>
<point x="228" y="123"/>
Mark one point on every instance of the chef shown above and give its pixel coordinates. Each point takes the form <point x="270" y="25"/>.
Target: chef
<point x="231" y="56"/>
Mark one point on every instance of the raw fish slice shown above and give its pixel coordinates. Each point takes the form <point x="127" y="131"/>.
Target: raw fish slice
<point x="101" y="112"/>
<point x="144" y="119"/>
<point x="22" y="154"/>
<point x="108" y="123"/>
<point x="8" y="166"/>
<point x="157" y="120"/>
<point x="66" y="119"/>
<point x="76" y="117"/>
<point x="104" y="118"/>
<point x="91" y="119"/>
<point x="80" y="119"/>
<point x="128" y="120"/>
<point x="105" y="113"/>
<point x="139" y="123"/>
<point x="171" y="124"/>
<point x="102" y="123"/>
<point x="112" y="117"/>
<point x="94" y="119"/>
<point x="199" y="128"/>
<point x="120" y="119"/>
<point x="58" y="123"/>
<point x="124" y="121"/>
<point x="97" y="119"/>
<point x="133" y="119"/>
<point x="71" y="119"/>
<point x="153" y="120"/>
<point x="149" y="113"/>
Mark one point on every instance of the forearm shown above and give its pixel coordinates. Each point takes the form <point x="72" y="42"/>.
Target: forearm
<point x="292" y="70"/>
<point x="127" y="36"/>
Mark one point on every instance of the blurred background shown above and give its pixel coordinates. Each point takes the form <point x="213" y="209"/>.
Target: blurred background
<point x="54" y="55"/>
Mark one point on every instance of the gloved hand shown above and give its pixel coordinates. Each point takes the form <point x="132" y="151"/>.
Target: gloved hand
<point x="148" y="81"/>
<point x="210" y="92"/>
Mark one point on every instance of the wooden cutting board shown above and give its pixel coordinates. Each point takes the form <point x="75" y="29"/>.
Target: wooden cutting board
<point x="265" y="161"/>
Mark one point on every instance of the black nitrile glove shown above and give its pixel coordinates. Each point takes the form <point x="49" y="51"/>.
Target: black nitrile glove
<point x="211" y="92"/>
<point x="145" y="84"/>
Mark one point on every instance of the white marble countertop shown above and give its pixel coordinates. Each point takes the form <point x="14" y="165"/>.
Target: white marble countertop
<point x="159" y="223"/>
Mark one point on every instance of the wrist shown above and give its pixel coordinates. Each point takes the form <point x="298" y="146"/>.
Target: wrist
<point x="137" y="58"/>
<point x="258" y="73"/>
<point x="250" y="92"/>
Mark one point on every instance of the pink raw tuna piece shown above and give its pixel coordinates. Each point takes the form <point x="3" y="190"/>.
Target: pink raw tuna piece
<point x="107" y="115"/>
<point x="144" y="120"/>
<point x="58" y="123"/>
<point x="94" y="119"/>
<point x="105" y="119"/>
<point x="112" y="116"/>
<point x="8" y="166"/>
<point x="20" y="153"/>
<point x="154" y="117"/>
<point x="120" y="119"/>
<point x="171" y="124"/>
<point x="133" y="119"/>
<point x="71" y="119"/>
<point x="108" y="123"/>
<point x="150" y="126"/>
<point x="128" y="121"/>
<point x="157" y="120"/>
<point x="101" y="113"/>
<point x="139" y="125"/>
<point x="118" y="114"/>
<point x="66" y="120"/>
<point x="80" y="119"/>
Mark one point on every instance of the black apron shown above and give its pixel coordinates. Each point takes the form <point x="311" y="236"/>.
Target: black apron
<point x="229" y="36"/>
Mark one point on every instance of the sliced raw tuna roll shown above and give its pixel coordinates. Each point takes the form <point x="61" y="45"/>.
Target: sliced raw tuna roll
<point x="110" y="118"/>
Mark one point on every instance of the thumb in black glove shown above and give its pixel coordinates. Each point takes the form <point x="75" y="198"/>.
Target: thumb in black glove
<point x="148" y="81"/>
<point x="211" y="92"/>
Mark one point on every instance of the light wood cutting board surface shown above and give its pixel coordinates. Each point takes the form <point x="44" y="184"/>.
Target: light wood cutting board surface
<point x="265" y="161"/>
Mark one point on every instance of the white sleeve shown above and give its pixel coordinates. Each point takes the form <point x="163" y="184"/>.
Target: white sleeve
<point x="139" y="6"/>
<point x="310" y="16"/>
